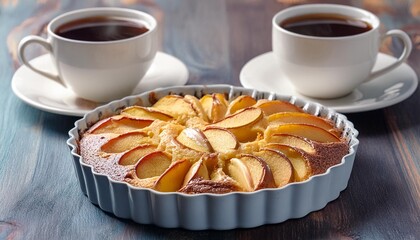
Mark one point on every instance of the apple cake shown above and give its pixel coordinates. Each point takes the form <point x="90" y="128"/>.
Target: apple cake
<point x="212" y="145"/>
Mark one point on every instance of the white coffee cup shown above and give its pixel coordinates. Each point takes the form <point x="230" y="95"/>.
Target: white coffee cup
<point x="330" y="67"/>
<point x="98" y="71"/>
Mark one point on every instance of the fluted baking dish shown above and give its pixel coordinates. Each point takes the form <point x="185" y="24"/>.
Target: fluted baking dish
<point x="212" y="211"/>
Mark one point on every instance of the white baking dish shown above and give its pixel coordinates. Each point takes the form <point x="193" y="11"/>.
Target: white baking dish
<point x="212" y="211"/>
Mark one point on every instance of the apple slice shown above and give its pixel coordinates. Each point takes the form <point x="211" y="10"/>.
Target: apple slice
<point x="243" y="118"/>
<point x="173" y="178"/>
<point x="194" y="138"/>
<point x="302" y="118"/>
<point x="146" y="113"/>
<point x="119" y="124"/>
<point x="207" y="104"/>
<point x="153" y="164"/>
<point x="132" y="156"/>
<point x="211" y="161"/>
<point x="279" y="164"/>
<point x="262" y="177"/>
<point x="197" y="170"/>
<point x="241" y="123"/>
<point x="195" y="103"/>
<point x="241" y="102"/>
<point x="301" y="166"/>
<point x="293" y="141"/>
<point x="176" y="106"/>
<point x="310" y="132"/>
<point x="241" y="174"/>
<point x="215" y="106"/>
<point x="221" y="139"/>
<point x="274" y="106"/>
<point x="124" y="142"/>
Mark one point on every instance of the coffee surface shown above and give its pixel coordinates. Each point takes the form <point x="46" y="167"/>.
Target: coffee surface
<point x="325" y="25"/>
<point x="101" y="29"/>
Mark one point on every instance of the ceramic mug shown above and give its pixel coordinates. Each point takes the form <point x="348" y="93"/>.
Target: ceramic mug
<point x="99" y="71"/>
<point x="331" y="67"/>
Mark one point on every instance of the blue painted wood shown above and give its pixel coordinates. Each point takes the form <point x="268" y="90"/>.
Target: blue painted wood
<point x="39" y="194"/>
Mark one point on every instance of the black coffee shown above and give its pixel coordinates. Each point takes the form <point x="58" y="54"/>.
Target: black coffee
<point x="325" y="25"/>
<point x="101" y="29"/>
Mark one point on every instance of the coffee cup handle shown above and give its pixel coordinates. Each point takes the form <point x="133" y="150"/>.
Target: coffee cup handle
<point x="25" y="42"/>
<point x="404" y="55"/>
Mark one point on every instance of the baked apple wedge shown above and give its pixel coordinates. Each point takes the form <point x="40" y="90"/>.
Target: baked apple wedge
<point x="124" y="142"/>
<point x="261" y="174"/>
<point x="215" y="106"/>
<point x="301" y="166"/>
<point x="194" y="138"/>
<point x="132" y="156"/>
<point x="302" y="118"/>
<point x="195" y="103"/>
<point x="241" y="174"/>
<point x="146" y="113"/>
<point x="153" y="164"/>
<point x="197" y="170"/>
<point x="241" y="123"/>
<point x="310" y="132"/>
<point x="279" y="164"/>
<point x="222" y="140"/>
<point x="173" y="178"/>
<point x="240" y="102"/>
<point x="211" y="161"/>
<point x="119" y="124"/>
<point x="251" y="172"/>
<point x="292" y="141"/>
<point x="176" y="106"/>
<point x="270" y="107"/>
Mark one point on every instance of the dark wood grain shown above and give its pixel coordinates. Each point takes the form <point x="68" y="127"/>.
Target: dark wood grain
<point x="39" y="194"/>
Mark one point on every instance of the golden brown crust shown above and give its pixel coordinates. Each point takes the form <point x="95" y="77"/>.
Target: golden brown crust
<point x="200" y="185"/>
<point x="327" y="155"/>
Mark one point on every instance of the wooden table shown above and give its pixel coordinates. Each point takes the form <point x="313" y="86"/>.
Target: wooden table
<point x="39" y="194"/>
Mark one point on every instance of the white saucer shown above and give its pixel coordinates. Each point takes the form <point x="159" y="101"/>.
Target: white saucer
<point x="261" y="73"/>
<point x="50" y="96"/>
